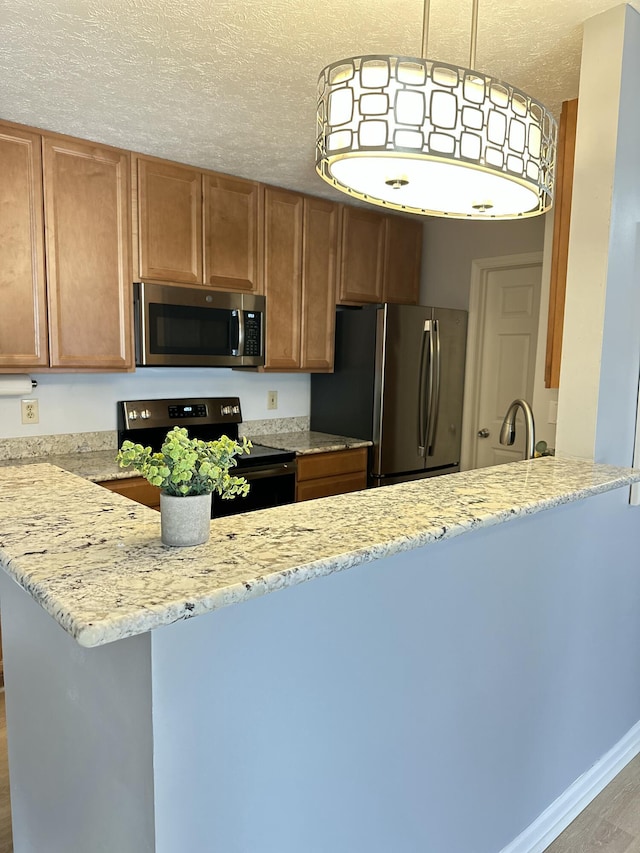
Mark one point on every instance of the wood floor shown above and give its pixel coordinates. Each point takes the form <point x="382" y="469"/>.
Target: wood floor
<point x="610" y="824"/>
<point x="6" y="844"/>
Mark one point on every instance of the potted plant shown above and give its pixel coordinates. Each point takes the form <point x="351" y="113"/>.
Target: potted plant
<point x="188" y="471"/>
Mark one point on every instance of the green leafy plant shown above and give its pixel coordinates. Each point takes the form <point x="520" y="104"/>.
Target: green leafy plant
<point x="188" y="466"/>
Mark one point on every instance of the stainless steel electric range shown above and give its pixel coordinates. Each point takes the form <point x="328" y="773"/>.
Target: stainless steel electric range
<point x="271" y="473"/>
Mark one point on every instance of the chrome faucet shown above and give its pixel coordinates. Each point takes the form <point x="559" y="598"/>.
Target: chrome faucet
<point x="508" y="431"/>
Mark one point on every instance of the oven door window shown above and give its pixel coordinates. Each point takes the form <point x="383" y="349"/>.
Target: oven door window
<point x="189" y="330"/>
<point x="264" y="492"/>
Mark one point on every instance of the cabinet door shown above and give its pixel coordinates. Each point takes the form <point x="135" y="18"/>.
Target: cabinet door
<point x="169" y="222"/>
<point x="320" y="252"/>
<point x="282" y="277"/>
<point x="361" y="270"/>
<point x="86" y="190"/>
<point x="333" y="473"/>
<point x="231" y="234"/>
<point x="328" y="486"/>
<point x="23" y="323"/>
<point x="332" y="463"/>
<point x="402" y="260"/>
<point x="560" y="249"/>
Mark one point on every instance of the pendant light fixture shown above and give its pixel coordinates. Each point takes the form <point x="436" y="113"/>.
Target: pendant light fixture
<point x="427" y="137"/>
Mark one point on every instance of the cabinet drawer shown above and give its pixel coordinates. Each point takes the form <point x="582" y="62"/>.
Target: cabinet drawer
<point x="331" y="464"/>
<point x="323" y="487"/>
<point x="136" y="489"/>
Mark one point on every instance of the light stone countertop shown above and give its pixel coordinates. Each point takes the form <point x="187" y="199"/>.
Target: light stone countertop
<point x="304" y="443"/>
<point x="101" y="465"/>
<point x="94" y="465"/>
<point x="93" y="559"/>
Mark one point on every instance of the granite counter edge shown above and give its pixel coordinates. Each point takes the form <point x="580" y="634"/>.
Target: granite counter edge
<point x="111" y="629"/>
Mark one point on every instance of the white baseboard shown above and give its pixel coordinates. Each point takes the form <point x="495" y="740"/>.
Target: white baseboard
<point x="548" y="826"/>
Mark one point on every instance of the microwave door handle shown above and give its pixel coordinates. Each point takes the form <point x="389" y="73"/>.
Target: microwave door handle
<point x="434" y="408"/>
<point x="239" y="316"/>
<point x="423" y="411"/>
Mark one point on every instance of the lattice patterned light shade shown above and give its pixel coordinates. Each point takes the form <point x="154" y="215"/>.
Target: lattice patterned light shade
<point x="431" y="138"/>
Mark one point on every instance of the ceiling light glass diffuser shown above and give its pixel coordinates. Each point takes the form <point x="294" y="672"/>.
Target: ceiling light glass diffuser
<point x="427" y="137"/>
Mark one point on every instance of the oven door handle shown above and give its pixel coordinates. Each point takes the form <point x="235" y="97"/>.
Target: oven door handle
<point x="261" y="473"/>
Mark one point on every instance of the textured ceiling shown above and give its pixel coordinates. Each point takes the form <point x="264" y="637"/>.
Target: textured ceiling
<point x="231" y="85"/>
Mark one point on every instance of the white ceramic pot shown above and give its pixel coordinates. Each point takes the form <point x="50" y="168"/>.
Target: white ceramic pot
<point x="185" y="521"/>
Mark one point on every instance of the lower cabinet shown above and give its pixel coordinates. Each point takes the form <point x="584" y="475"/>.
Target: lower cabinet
<point x="333" y="473"/>
<point x="137" y="489"/>
<point x="319" y="476"/>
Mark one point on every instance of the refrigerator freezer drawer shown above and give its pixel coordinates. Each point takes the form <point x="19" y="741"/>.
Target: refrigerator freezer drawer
<point x="394" y="479"/>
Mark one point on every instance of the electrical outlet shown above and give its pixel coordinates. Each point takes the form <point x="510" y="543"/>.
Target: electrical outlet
<point x="272" y="399"/>
<point x="30" y="413"/>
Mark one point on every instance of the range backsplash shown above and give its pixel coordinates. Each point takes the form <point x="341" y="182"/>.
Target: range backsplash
<point x="87" y="442"/>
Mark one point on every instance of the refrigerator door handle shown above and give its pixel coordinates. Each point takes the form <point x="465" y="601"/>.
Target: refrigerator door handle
<point x="434" y="405"/>
<point x="424" y="398"/>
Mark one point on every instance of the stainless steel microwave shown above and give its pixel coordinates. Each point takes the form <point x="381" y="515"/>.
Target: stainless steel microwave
<point x="177" y="326"/>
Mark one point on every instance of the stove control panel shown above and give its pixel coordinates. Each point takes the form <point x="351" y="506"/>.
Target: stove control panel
<point x="229" y="410"/>
<point x="135" y="416"/>
<point x="188" y="410"/>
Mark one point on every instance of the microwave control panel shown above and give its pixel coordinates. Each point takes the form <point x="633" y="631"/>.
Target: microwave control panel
<point x="252" y="331"/>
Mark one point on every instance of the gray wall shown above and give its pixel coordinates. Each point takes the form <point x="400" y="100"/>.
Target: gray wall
<point x="369" y="710"/>
<point x="79" y="734"/>
<point x="451" y="245"/>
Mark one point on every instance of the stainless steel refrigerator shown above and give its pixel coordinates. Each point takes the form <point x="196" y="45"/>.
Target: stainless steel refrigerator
<point x="398" y="381"/>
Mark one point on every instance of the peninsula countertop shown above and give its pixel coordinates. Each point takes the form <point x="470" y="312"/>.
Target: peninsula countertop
<point x="101" y="466"/>
<point x="94" y="561"/>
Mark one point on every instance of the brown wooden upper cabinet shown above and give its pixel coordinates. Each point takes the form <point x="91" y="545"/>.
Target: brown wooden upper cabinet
<point x="80" y="319"/>
<point x="232" y="234"/>
<point x="402" y="260"/>
<point x="23" y="313"/>
<point x="300" y="255"/>
<point x="560" y="249"/>
<point x="198" y="227"/>
<point x="169" y="221"/>
<point x="319" y="274"/>
<point x="87" y="204"/>
<point x="282" y="277"/>
<point x="362" y="263"/>
<point x="381" y="257"/>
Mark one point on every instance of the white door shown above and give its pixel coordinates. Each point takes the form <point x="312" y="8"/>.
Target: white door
<point x="502" y="367"/>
